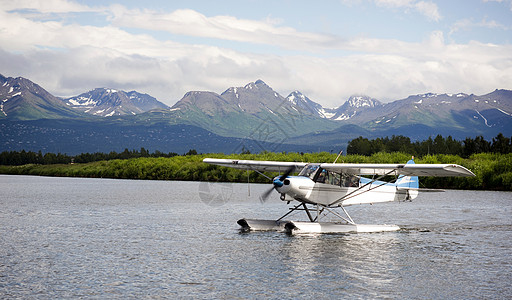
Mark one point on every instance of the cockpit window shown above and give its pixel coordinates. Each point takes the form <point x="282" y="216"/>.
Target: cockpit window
<point x="323" y="176"/>
<point x="309" y="171"/>
<point x="328" y="177"/>
<point x="349" y="180"/>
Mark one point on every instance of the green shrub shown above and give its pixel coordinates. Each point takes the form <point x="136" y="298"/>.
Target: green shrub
<point x="493" y="171"/>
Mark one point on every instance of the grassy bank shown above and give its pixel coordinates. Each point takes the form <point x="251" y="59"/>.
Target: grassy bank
<point x="493" y="171"/>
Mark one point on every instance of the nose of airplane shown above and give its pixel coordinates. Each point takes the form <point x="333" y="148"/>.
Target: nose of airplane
<point x="282" y="186"/>
<point x="278" y="183"/>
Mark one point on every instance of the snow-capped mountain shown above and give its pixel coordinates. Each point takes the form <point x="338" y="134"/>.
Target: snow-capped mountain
<point x="257" y="98"/>
<point x="253" y="98"/>
<point x="252" y="112"/>
<point x="111" y="102"/>
<point x="458" y="111"/>
<point x="22" y="99"/>
<point x="354" y="106"/>
<point x="300" y="100"/>
<point x="252" y="109"/>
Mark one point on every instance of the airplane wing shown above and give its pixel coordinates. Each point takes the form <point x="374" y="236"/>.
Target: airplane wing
<point x="259" y="165"/>
<point x="439" y="170"/>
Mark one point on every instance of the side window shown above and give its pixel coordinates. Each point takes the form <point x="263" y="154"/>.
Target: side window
<point x="349" y="180"/>
<point x="328" y="177"/>
<point x="323" y="177"/>
<point x="334" y="178"/>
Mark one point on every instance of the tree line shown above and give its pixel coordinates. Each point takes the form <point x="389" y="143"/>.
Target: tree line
<point x="361" y="146"/>
<point x="18" y="158"/>
<point x="493" y="170"/>
<point x="438" y="145"/>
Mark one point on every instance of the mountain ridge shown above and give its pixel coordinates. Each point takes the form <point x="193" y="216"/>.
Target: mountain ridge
<point x="23" y="99"/>
<point x="107" y="102"/>
<point x="256" y="112"/>
<point x="242" y="111"/>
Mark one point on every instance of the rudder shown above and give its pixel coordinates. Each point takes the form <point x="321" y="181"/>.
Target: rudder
<point x="409" y="183"/>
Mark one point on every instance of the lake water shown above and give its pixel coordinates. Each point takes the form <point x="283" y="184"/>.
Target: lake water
<point x="103" y="238"/>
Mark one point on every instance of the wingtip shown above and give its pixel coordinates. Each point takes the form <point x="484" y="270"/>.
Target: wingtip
<point x="461" y="171"/>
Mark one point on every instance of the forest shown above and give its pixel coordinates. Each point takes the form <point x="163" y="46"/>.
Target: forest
<point x="18" y="158"/>
<point x="360" y="146"/>
<point x="438" y="145"/>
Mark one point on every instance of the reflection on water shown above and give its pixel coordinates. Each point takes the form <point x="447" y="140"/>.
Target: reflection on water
<point x="99" y="238"/>
<point x="359" y="264"/>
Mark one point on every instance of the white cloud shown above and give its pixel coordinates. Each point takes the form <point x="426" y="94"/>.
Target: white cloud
<point x="183" y="22"/>
<point x="431" y="66"/>
<point x="428" y="9"/>
<point x="395" y="3"/>
<point x="192" y="23"/>
<point x="46" y="6"/>
<point x="68" y="59"/>
<point x="468" y="24"/>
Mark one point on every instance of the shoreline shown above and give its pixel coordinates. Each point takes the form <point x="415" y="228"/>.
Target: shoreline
<point x="493" y="171"/>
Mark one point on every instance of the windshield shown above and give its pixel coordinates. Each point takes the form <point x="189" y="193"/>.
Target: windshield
<point x="309" y="171"/>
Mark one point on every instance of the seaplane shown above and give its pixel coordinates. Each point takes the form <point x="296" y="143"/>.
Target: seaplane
<point x="326" y="189"/>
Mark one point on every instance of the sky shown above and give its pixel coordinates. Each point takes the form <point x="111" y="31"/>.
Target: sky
<point x="328" y="50"/>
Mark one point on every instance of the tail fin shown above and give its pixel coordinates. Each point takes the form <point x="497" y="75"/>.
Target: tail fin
<point x="409" y="183"/>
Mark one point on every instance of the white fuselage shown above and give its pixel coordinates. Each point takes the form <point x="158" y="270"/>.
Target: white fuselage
<point x="304" y="189"/>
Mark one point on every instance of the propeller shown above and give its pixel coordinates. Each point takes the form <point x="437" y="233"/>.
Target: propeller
<point x="286" y="174"/>
<point x="264" y="196"/>
<point x="278" y="182"/>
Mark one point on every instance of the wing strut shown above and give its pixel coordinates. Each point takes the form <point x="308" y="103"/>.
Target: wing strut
<point x="260" y="174"/>
<point x="291" y="210"/>
<point x="308" y="213"/>
<point x="349" y="220"/>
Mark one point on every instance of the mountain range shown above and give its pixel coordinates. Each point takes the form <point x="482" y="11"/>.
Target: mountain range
<point x="253" y="117"/>
<point x="109" y="102"/>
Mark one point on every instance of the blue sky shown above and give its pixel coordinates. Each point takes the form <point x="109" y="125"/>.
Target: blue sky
<point x="329" y="50"/>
